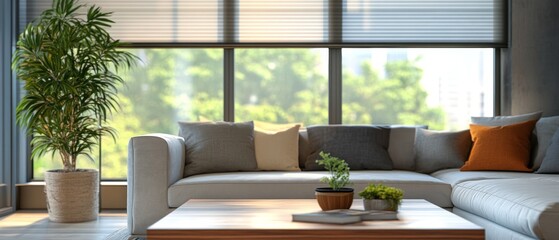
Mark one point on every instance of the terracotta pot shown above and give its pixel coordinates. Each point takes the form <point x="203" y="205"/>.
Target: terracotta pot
<point x="328" y="199"/>
<point x="379" y="204"/>
<point x="72" y="196"/>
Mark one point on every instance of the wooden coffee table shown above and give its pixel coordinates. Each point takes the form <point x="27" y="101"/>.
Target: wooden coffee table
<point x="271" y="219"/>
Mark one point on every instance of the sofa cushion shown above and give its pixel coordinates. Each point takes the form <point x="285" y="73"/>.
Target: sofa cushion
<point x="218" y="147"/>
<point x="277" y="149"/>
<point x="506" y="120"/>
<point x="550" y="162"/>
<point x="529" y="206"/>
<point x="545" y="128"/>
<point x="436" y="150"/>
<point x="501" y="148"/>
<point x="455" y="176"/>
<point x="492" y="230"/>
<point x="401" y="146"/>
<point x="362" y="147"/>
<point x="301" y="185"/>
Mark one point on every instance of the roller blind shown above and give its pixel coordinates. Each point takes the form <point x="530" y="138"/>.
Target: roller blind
<point x="424" y="21"/>
<point x="282" y="21"/>
<point x="144" y="21"/>
<point x="292" y="22"/>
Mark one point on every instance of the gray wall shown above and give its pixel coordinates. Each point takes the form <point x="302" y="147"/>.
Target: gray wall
<point x="534" y="57"/>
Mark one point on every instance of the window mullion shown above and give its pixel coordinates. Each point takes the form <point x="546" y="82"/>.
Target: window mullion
<point x="335" y="20"/>
<point x="497" y="80"/>
<point x="335" y="86"/>
<point x="229" y="35"/>
<point x="229" y="85"/>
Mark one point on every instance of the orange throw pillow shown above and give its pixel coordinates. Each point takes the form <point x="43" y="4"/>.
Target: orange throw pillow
<point x="502" y="148"/>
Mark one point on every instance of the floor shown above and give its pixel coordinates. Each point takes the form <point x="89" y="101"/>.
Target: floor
<point x="32" y="225"/>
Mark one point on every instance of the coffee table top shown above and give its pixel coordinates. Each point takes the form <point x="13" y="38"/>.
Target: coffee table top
<point x="255" y="217"/>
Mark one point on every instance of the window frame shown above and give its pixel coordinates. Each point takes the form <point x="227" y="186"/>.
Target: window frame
<point x="22" y="147"/>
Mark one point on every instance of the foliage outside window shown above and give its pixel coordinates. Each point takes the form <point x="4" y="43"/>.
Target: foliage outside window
<point x="281" y="85"/>
<point x="440" y="88"/>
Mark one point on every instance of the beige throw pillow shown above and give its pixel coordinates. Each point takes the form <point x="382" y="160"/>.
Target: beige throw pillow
<point x="278" y="149"/>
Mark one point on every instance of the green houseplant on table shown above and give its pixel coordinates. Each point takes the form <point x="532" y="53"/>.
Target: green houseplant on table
<point x="67" y="62"/>
<point x="381" y="197"/>
<point x="337" y="196"/>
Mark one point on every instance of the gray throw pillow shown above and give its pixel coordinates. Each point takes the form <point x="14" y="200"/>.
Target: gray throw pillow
<point x="362" y="147"/>
<point x="545" y="128"/>
<point x="218" y="147"/>
<point x="506" y="120"/>
<point x="550" y="162"/>
<point x="436" y="150"/>
<point x="401" y="146"/>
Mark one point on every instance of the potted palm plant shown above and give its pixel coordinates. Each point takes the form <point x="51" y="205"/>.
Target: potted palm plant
<point x="67" y="61"/>
<point x="337" y="196"/>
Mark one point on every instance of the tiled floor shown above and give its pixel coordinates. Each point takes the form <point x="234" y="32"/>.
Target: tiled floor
<point x="31" y="225"/>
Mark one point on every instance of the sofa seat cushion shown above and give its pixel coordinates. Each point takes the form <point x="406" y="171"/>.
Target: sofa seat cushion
<point x="455" y="176"/>
<point x="529" y="206"/>
<point x="285" y="185"/>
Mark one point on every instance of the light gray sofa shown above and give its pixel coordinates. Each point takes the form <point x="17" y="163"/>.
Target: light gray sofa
<point x="493" y="200"/>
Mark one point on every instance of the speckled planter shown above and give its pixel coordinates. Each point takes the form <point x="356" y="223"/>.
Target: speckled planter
<point x="378" y="204"/>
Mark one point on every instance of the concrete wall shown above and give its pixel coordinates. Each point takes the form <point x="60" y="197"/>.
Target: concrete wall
<point x="534" y="57"/>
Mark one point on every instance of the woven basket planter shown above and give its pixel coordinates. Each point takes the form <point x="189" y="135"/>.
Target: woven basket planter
<point x="72" y="196"/>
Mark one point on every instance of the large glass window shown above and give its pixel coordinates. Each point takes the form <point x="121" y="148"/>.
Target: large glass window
<point x="167" y="85"/>
<point x="439" y="87"/>
<point x="281" y="85"/>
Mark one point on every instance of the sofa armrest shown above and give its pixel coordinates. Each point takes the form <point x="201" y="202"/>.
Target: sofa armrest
<point x="155" y="162"/>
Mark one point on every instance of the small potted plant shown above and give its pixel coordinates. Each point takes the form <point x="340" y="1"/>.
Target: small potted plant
<point x="380" y="197"/>
<point x="337" y="196"/>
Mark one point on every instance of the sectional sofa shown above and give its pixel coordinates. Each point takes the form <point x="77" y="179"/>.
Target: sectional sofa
<point x="510" y="205"/>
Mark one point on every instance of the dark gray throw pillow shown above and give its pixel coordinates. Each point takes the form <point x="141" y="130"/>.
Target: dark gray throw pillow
<point x="218" y="147"/>
<point x="362" y="147"/>
<point x="550" y="162"/>
<point x="435" y="150"/>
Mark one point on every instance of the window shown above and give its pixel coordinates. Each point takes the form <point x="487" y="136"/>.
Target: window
<point x="282" y="70"/>
<point x="281" y="85"/>
<point x="440" y="87"/>
<point x="167" y="86"/>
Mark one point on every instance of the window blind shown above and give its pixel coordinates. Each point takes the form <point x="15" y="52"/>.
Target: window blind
<point x="151" y="21"/>
<point x="282" y="21"/>
<point x="424" y="21"/>
<point x="317" y="23"/>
